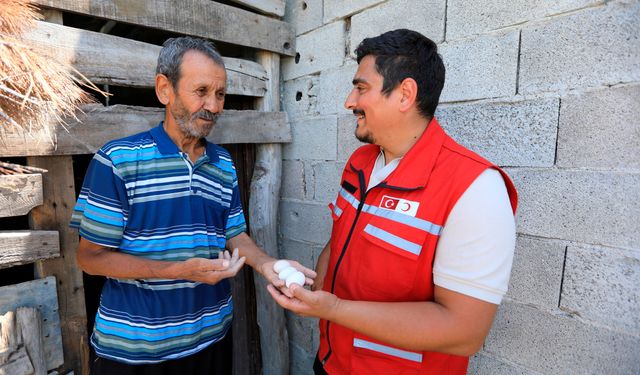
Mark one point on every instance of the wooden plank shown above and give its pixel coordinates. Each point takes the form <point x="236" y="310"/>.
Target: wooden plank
<point x="25" y="246"/>
<point x="203" y="18"/>
<point x="263" y="210"/>
<point x="40" y="294"/>
<point x="17" y="363"/>
<point x="29" y="321"/>
<point x="19" y="193"/>
<point x="270" y="7"/>
<point x="101" y="124"/>
<point x="54" y="214"/>
<point x="108" y="59"/>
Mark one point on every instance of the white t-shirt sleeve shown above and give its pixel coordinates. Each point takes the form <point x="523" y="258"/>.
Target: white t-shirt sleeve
<point x="475" y="250"/>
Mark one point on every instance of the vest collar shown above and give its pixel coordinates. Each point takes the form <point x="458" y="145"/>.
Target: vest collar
<point x="167" y="147"/>
<point x="416" y="166"/>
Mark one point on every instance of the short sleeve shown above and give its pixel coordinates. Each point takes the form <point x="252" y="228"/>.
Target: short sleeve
<point x="101" y="210"/>
<point x="475" y="251"/>
<point x="235" y="220"/>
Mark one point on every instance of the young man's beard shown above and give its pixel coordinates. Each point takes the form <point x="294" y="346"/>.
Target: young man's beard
<point x="366" y="137"/>
<point x="187" y="121"/>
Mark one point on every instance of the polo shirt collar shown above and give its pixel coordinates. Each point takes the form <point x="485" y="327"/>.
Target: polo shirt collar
<point x="167" y="147"/>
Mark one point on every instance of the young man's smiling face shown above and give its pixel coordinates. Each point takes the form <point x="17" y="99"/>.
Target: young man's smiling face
<point x="373" y="109"/>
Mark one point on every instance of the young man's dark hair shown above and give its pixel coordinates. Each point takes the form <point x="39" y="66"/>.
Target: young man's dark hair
<point x="404" y="54"/>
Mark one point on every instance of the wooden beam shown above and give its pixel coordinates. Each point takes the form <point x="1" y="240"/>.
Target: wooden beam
<point x="19" y="193"/>
<point x="40" y="294"/>
<point x="270" y="7"/>
<point x="202" y="18"/>
<point x="108" y="59"/>
<point x="99" y="125"/>
<point x="29" y="320"/>
<point x="263" y="211"/>
<point x="54" y="214"/>
<point x="26" y="246"/>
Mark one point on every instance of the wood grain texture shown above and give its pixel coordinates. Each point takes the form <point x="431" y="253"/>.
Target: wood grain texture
<point x="29" y="320"/>
<point x="54" y="214"/>
<point x="108" y="59"/>
<point x="40" y="294"/>
<point x="270" y="7"/>
<point x="263" y="210"/>
<point x="19" y="193"/>
<point x="201" y="18"/>
<point x="25" y="246"/>
<point x="99" y="125"/>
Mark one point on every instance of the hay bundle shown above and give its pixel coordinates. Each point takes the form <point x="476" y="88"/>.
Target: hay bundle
<point x="34" y="89"/>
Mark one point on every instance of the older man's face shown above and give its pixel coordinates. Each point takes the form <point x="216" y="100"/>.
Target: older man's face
<point x="199" y="96"/>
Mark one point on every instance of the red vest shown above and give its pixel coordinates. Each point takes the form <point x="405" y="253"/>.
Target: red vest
<point x="383" y="245"/>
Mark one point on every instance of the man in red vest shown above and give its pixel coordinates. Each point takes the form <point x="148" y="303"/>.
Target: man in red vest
<point x="423" y="229"/>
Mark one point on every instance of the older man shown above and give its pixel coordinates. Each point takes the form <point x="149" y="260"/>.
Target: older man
<point x="423" y="229"/>
<point x="155" y="214"/>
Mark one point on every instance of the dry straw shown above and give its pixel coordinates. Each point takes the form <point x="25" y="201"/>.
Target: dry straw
<point x="36" y="91"/>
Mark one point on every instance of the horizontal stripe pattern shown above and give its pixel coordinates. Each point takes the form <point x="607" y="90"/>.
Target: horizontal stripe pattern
<point x="394" y="352"/>
<point x="144" y="197"/>
<point x="392" y="215"/>
<point x="392" y="239"/>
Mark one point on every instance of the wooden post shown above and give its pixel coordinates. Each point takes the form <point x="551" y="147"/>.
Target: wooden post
<point x="263" y="209"/>
<point x="55" y="214"/>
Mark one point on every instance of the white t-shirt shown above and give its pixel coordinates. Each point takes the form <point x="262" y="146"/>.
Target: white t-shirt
<point x="475" y="250"/>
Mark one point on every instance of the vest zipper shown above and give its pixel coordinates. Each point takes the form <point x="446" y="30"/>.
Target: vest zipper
<point x="363" y="196"/>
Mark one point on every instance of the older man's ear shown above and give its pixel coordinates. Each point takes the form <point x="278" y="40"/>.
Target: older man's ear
<point x="164" y="89"/>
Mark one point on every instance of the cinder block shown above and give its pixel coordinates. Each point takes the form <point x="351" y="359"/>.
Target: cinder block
<point x="600" y="129"/>
<point x="293" y="180"/>
<point x="304" y="15"/>
<point x="555" y="343"/>
<point x="318" y="50"/>
<point x="536" y="276"/>
<point x="602" y="284"/>
<point x="305" y="221"/>
<point x="593" y="47"/>
<point x="347" y="141"/>
<point x="334" y="85"/>
<point x="303" y="252"/>
<point x="300" y="97"/>
<point x="327" y="180"/>
<point x="482" y="67"/>
<point x="334" y="9"/>
<point x="301" y="361"/>
<point x="483" y="364"/>
<point x="426" y="17"/>
<point x="598" y="208"/>
<point x="472" y="17"/>
<point x="313" y="138"/>
<point x="299" y="329"/>
<point x="513" y="133"/>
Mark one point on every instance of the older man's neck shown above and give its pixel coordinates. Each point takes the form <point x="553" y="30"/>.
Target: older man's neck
<point x="192" y="146"/>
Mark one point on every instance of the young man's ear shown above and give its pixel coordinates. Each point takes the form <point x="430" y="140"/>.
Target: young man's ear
<point x="164" y="89"/>
<point x="409" y="92"/>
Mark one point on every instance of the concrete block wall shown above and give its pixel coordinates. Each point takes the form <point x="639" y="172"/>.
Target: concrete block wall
<point x="548" y="90"/>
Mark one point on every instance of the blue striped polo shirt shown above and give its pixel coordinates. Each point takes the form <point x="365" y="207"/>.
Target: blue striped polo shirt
<point x="143" y="196"/>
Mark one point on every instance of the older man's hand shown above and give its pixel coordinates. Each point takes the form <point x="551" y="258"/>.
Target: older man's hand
<point x="211" y="271"/>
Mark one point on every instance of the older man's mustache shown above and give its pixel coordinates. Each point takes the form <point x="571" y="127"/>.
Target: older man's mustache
<point x="206" y="115"/>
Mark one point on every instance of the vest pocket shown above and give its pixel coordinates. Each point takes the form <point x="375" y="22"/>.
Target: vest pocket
<point x="373" y="357"/>
<point x="390" y="259"/>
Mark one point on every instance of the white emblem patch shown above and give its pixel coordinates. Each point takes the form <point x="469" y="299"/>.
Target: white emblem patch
<point x="400" y="205"/>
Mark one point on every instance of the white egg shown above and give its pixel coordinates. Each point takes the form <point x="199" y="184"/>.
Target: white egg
<point x="295" y="278"/>
<point x="286" y="273"/>
<point x="280" y="265"/>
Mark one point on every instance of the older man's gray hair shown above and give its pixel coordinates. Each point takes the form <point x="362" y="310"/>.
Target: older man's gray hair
<point x="174" y="49"/>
